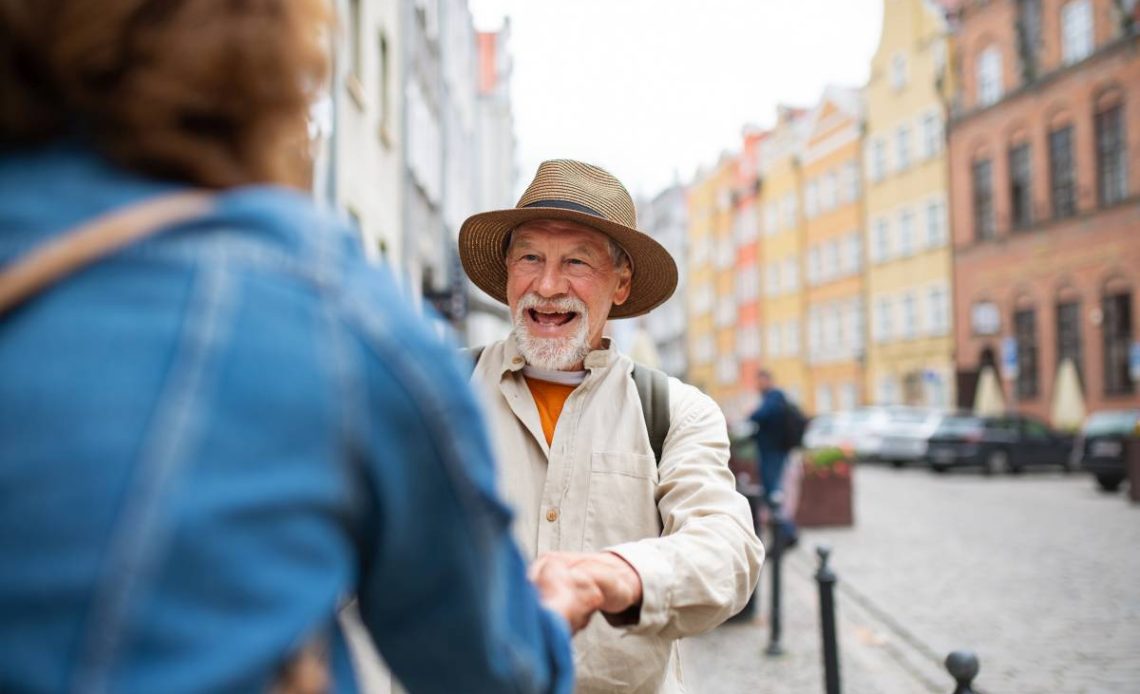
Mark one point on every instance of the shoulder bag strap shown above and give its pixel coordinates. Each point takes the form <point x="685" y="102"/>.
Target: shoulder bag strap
<point x="653" y="391"/>
<point x="88" y="243"/>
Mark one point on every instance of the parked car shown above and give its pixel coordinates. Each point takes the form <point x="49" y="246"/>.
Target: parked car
<point x="869" y="425"/>
<point x="1101" y="446"/>
<point x="907" y="435"/>
<point x="831" y="430"/>
<point x="1008" y="443"/>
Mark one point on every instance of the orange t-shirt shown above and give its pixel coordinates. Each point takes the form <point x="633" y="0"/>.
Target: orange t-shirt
<point x="549" y="397"/>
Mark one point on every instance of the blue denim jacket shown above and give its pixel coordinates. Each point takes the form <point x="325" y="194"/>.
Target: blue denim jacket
<point x="210" y="439"/>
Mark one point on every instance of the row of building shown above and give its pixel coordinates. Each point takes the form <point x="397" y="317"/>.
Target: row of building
<point x="417" y="134"/>
<point x="963" y="231"/>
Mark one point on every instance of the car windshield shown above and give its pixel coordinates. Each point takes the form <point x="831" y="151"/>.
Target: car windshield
<point x="958" y="426"/>
<point x="1117" y="422"/>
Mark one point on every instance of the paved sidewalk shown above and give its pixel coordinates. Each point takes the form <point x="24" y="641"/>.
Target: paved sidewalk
<point x="873" y="660"/>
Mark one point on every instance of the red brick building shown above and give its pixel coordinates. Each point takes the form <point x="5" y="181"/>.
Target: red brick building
<point x="1044" y="156"/>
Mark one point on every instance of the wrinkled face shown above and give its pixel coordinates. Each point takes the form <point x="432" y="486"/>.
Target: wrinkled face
<point x="561" y="284"/>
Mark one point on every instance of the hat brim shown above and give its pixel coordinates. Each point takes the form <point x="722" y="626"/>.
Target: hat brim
<point x="482" y="249"/>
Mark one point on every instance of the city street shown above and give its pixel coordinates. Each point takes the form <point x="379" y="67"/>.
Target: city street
<point x="1037" y="574"/>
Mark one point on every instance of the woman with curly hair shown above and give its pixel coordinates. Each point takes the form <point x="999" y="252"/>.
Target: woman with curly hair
<point x="217" y="421"/>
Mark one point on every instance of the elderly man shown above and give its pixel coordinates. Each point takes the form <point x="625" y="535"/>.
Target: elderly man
<point x="669" y="541"/>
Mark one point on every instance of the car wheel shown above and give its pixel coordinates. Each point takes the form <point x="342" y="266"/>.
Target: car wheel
<point x="997" y="462"/>
<point x="1109" y="483"/>
<point x="939" y="468"/>
<point x="897" y="464"/>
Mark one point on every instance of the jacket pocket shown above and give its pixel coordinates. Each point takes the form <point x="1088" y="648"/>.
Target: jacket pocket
<point x="622" y="500"/>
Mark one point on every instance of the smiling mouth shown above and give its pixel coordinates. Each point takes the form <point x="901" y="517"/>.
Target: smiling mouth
<point x="551" y="318"/>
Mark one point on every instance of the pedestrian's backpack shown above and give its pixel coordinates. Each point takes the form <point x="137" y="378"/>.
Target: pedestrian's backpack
<point x="794" y="425"/>
<point x="653" y="391"/>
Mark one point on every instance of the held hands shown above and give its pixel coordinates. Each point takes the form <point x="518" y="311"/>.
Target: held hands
<point x="576" y="584"/>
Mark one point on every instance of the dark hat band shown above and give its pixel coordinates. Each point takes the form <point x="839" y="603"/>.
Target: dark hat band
<point x="565" y="205"/>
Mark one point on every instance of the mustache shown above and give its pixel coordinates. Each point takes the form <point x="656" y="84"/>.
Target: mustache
<point x="564" y="304"/>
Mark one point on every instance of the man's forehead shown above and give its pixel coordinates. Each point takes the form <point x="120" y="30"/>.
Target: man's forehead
<point x="542" y="229"/>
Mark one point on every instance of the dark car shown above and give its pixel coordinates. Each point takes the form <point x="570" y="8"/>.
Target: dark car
<point x="1101" y="446"/>
<point x="1006" y="443"/>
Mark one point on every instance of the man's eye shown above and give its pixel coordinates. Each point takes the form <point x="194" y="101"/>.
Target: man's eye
<point x="529" y="258"/>
<point x="576" y="261"/>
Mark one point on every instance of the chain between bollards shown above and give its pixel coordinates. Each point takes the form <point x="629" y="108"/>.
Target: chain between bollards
<point x="963" y="667"/>
<point x="774" y="522"/>
<point x="826" y="579"/>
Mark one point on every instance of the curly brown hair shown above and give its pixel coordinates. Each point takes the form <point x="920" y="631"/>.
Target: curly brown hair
<point x="213" y="92"/>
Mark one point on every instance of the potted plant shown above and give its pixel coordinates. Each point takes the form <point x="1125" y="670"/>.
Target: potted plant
<point x="825" y="490"/>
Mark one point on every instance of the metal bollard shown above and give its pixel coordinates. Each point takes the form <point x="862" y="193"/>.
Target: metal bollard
<point x="826" y="579"/>
<point x="774" y="518"/>
<point x="963" y="667"/>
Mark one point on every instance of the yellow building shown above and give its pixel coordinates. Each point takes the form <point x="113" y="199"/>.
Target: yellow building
<point x="909" y="356"/>
<point x="833" y="257"/>
<point x="782" y="241"/>
<point x="726" y="371"/>
<point x="700" y="288"/>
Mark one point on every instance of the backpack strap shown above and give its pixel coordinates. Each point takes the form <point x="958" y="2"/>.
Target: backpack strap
<point x="90" y="242"/>
<point x="653" y="391"/>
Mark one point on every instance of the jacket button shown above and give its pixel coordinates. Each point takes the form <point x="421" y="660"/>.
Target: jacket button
<point x="552" y="515"/>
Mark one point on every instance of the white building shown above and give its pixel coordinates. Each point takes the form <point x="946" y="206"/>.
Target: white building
<point x="666" y="219"/>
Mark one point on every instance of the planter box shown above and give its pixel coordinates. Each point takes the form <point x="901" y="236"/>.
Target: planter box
<point x="825" y="499"/>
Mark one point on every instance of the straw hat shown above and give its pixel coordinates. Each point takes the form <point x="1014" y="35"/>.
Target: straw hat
<point x="571" y="191"/>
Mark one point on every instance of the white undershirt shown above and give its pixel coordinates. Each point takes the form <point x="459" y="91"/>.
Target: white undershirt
<point x="566" y="378"/>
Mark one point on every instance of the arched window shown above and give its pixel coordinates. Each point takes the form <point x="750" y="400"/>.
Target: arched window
<point x="1025" y="333"/>
<point x="1111" y="148"/>
<point x="1069" y="343"/>
<point x="989" y="77"/>
<point x="1117" y="329"/>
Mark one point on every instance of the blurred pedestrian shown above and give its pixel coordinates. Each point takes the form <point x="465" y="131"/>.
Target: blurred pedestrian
<point x="216" y="419"/>
<point x="774" y="441"/>
<point x="650" y="512"/>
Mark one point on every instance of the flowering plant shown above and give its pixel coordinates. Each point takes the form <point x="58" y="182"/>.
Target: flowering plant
<point x="827" y="461"/>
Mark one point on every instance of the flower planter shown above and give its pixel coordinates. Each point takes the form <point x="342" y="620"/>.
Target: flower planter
<point x="826" y="497"/>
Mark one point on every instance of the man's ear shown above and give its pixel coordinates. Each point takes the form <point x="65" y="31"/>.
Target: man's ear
<point x="625" y="280"/>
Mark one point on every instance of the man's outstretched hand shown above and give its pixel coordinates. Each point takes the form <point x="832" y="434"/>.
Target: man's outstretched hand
<point x="581" y="579"/>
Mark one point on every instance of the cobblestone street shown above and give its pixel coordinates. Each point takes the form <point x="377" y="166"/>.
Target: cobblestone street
<point x="1039" y="574"/>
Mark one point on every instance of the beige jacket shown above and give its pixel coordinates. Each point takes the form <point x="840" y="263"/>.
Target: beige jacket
<point x="682" y="524"/>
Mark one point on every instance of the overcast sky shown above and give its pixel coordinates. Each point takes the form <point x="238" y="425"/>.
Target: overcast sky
<point x="652" y="89"/>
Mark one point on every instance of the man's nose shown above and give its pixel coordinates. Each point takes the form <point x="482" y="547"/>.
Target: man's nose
<point x="552" y="281"/>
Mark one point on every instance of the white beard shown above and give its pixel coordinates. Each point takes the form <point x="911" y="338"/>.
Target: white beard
<point x="552" y="353"/>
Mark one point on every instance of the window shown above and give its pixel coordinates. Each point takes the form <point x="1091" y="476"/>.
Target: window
<point x="1117" y="310"/>
<point x="910" y="315"/>
<point x="854" y="252"/>
<point x="1076" y="31"/>
<point x="815" y="265"/>
<point x="811" y="199"/>
<point x="935" y="225"/>
<point x="771" y="219"/>
<point x="1111" y="156"/>
<point x="789" y="211"/>
<point x="773" y="284"/>
<point x="983" y="200"/>
<point x="1020" y="189"/>
<point x="356" y="28"/>
<point x="792" y="338"/>
<point x="827" y="192"/>
<point x="883" y="328"/>
<point x="902" y="147"/>
<point x="774" y="340"/>
<point x="1029" y="33"/>
<point x="848" y="397"/>
<point x="898" y="71"/>
<point x="989" y="77"/>
<point x="887" y="391"/>
<point x="815" y="334"/>
<point x="881" y="245"/>
<point x="878" y="159"/>
<point x="831" y="259"/>
<point x="938" y="309"/>
<point x="931" y="135"/>
<point x="791" y="274"/>
<point x="1062" y="178"/>
<point x="1025" y="332"/>
<point x="1069" y="335"/>
<point x="906" y="233"/>
<point x="385" y="90"/>
<point x="823" y="399"/>
<point x="851" y="181"/>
